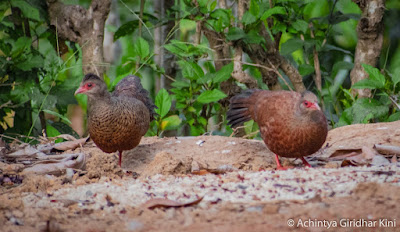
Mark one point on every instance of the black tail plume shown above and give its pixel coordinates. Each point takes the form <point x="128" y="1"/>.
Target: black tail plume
<point x="241" y="108"/>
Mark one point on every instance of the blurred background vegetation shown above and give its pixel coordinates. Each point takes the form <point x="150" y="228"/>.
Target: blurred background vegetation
<point x="165" y="43"/>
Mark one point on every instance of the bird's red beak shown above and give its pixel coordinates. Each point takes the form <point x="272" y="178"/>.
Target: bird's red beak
<point x="81" y="89"/>
<point x="315" y="106"/>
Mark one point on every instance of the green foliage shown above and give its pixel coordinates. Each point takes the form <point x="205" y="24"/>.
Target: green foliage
<point x="197" y="95"/>
<point x="375" y="81"/>
<point x="377" y="109"/>
<point x="34" y="79"/>
<point x="163" y="123"/>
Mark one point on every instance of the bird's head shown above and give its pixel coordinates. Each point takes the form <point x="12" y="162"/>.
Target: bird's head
<point x="309" y="103"/>
<point x="92" y="86"/>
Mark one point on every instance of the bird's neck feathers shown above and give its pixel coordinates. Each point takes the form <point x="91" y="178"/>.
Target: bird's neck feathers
<point x="100" y="96"/>
<point x="307" y="116"/>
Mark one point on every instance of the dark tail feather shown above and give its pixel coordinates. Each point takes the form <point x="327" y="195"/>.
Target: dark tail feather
<point x="241" y="108"/>
<point x="130" y="86"/>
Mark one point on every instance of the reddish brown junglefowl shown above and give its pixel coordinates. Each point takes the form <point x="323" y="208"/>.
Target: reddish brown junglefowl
<point x="117" y="121"/>
<point x="291" y="124"/>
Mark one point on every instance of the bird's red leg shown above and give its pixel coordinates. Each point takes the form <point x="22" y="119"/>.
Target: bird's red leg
<point x="120" y="158"/>
<point x="278" y="164"/>
<point x="305" y="162"/>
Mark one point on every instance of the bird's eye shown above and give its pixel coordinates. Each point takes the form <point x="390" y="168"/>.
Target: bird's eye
<point x="90" y="85"/>
<point x="306" y="103"/>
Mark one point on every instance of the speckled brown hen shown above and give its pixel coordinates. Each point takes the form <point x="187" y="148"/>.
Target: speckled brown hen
<point x="291" y="124"/>
<point x="117" y="121"/>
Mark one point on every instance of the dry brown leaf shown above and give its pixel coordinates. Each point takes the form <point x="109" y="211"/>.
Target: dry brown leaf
<point x="366" y="157"/>
<point x="58" y="167"/>
<point x="387" y="149"/>
<point x="342" y="154"/>
<point x="379" y="160"/>
<point x="166" y="203"/>
<point x="394" y="159"/>
<point x="27" y="151"/>
<point x="70" y="145"/>
<point x="346" y="163"/>
<point x="201" y="172"/>
<point x="368" y="153"/>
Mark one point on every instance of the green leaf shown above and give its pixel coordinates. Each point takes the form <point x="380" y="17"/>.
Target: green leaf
<point x="64" y="129"/>
<point x="329" y="47"/>
<point x="58" y="115"/>
<point x="394" y="117"/>
<point x="220" y="19"/>
<point x="202" y="120"/>
<point x="374" y="75"/>
<point x="180" y="84"/>
<point x="346" y="118"/>
<point x="187" y="25"/>
<point x="300" y="25"/>
<point x="28" y="10"/>
<point x="235" y="33"/>
<point x="211" y="5"/>
<point x="126" y="29"/>
<point x="365" y="84"/>
<point x="171" y="122"/>
<point x="375" y="81"/>
<point x="291" y="45"/>
<point x="254" y="8"/>
<point x="190" y="70"/>
<point x="306" y="69"/>
<point x="177" y="47"/>
<point x="224" y="73"/>
<point x="248" y="18"/>
<point x="338" y="17"/>
<point x="22" y="44"/>
<point x="51" y="131"/>
<point x="163" y="102"/>
<point x="211" y="96"/>
<point x="363" y="107"/>
<point x="250" y="127"/>
<point x="273" y="11"/>
<point x="254" y="37"/>
<point x="141" y="47"/>
<point x="396" y="76"/>
<point x="342" y="65"/>
<point x="33" y="62"/>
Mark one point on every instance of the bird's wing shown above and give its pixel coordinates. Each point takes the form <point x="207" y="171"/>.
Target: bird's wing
<point x="130" y="86"/>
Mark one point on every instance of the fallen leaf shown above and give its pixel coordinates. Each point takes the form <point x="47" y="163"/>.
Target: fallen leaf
<point x="394" y="159"/>
<point x="58" y="167"/>
<point x="387" y="149"/>
<point x="368" y="153"/>
<point x="342" y="154"/>
<point x="25" y="152"/>
<point x="70" y="145"/>
<point x="166" y="203"/>
<point x="201" y="172"/>
<point x="346" y="163"/>
<point x="379" y="160"/>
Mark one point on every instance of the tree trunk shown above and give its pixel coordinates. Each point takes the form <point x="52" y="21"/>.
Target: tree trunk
<point x="370" y="40"/>
<point x="86" y="27"/>
<point x="164" y="58"/>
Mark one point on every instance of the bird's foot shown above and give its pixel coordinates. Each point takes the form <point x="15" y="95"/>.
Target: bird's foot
<point x="305" y="162"/>
<point x="283" y="168"/>
<point x="279" y="166"/>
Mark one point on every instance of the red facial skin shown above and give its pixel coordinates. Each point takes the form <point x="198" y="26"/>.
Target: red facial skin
<point x="84" y="88"/>
<point x="311" y="105"/>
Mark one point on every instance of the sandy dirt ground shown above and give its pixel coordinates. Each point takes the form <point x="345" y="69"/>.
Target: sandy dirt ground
<point x="213" y="183"/>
